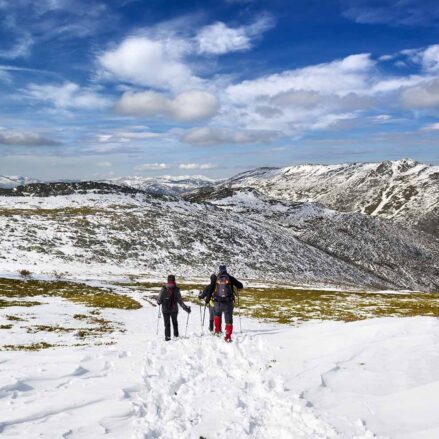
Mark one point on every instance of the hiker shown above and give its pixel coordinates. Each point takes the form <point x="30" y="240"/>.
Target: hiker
<point x="207" y="294"/>
<point x="170" y="298"/>
<point x="224" y="296"/>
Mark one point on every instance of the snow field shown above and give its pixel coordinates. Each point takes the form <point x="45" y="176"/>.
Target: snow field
<point x="204" y="387"/>
<point x="318" y="380"/>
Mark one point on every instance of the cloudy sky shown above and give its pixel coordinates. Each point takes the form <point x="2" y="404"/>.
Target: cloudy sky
<point x="95" y="89"/>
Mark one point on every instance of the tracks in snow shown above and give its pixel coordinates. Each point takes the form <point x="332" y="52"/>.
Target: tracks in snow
<point x="203" y="387"/>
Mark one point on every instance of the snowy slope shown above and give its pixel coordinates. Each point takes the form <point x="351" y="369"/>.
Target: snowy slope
<point x="166" y="184"/>
<point x="14" y="181"/>
<point x="130" y="232"/>
<point x="319" y="380"/>
<point x="403" y="190"/>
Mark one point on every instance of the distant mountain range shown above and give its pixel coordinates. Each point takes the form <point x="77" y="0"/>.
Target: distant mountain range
<point x="13" y="181"/>
<point x="254" y="222"/>
<point x="165" y="185"/>
<point x="404" y="191"/>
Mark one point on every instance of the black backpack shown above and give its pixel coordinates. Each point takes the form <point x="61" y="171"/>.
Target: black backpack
<point x="223" y="290"/>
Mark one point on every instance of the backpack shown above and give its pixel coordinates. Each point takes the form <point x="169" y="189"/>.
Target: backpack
<point x="170" y="299"/>
<point x="223" y="289"/>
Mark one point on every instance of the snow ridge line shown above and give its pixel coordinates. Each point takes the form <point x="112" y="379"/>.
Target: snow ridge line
<point x="204" y="387"/>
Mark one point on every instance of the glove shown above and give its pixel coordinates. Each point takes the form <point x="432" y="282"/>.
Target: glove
<point x="199" y="296"/>
<point x="188" y="309"/>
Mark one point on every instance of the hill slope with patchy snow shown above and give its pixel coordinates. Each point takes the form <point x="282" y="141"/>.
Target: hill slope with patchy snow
<point x="100" y="228"/>
<point x="405" y="190"/>
<point x="166" y="184"/>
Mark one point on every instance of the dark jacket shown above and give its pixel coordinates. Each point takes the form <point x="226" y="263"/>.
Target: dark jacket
<point x="235" y="284"/>
<point x="170" y="298"/>
<point x="208" y="290"/>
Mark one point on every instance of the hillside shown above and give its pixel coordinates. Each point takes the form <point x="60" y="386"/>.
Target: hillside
<point x="405" y="191"/>
<point x="106" y="229"/>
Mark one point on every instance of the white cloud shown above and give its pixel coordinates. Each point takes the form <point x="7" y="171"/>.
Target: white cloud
<point x="104" y="164"/>
<point x="349" y="75"/>
<point x="219" y="39"/>
<point x="422" y="96"/>
<point x="152" y="63"/>
<point x="207" y="136"/>
<point x="25" y="139"/>
<point x="432" y="127"/>
<point x="152" y="167"/>
<point x="127" y="136"/>
<point x="68" y="96"/>
<point x="191" y="166"/>
<point x="189" y="106"/>
<point x="20" y="49"/>
<point x="430" y="59"/>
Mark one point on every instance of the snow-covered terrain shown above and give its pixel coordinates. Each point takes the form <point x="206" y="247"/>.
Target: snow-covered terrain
<point x="319" y="380"/>
<point x="14" y="181"/>
<point x="123" y="232"/>
<point x="166" y="184"/>
<point x="404" y="190"/>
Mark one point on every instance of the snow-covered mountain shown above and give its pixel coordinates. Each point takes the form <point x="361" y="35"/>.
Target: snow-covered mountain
<point x="101" y="228"/>
<point x="405" y="190"/>
<point x="165" y="185"/>
<point x="14" y="181"/>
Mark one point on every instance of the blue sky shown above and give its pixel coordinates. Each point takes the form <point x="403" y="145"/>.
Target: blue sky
<point x="96" y="89"/>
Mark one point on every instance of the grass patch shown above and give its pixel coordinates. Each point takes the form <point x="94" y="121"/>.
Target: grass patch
<point x="289" y="306"/>
<point x="14" y="318"/>
<point x="7" y="326"/>
<point x="27" y="347"/>
<point x="10" y="303"/>
<point x="77" y="293"/>
<point x="52" y="213"/>
<point x="49" y="328"/>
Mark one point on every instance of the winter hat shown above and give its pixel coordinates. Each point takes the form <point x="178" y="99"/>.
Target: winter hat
<point x="171" y="278"/>
<point x="222" y="269"/>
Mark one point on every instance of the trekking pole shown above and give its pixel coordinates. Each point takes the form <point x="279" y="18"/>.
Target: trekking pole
<point x="201" y="318"/>
<point x="204" y="314"/>
<point x="239" y="306"/>
<point x="158" y="320"/>
<point x="187" y="321"/>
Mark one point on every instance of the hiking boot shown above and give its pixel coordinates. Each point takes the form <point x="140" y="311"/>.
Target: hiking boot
<point x="167" y="338"/>
<point x="229" y="330"/>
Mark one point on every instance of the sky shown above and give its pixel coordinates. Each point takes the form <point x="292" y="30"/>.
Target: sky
<point x="103" y="89"/>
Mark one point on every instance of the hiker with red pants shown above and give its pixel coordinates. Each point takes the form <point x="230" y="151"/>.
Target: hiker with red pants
<point x="224" y="297"/>
<point x="207" y="294"/>
<point x="170" y="298"/>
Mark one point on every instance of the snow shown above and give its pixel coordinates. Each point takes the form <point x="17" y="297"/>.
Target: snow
<point x="318" y="380"/>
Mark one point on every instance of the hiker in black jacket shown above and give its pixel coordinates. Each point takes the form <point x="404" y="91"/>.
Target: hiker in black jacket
<point x="207" y="294"/>
<point x="224" y="297"/>
<point x="170" y="298"/>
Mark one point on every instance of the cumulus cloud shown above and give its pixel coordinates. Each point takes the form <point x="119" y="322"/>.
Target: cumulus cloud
<point x="422" y="96"/>
<point x="189" y="106"/>
<point x="192" y="166"/>
<point x="341" y="77"/>
<point x="219" y="39"/>
<point x="430" y="58"/>
<point x="152" y="167"/>
<point x="153" y="63"/>
<point x="206" y="136"/>
<point x="25" y="139"/>
<point x="127" y="136"/>
<point x="68" y="96"/>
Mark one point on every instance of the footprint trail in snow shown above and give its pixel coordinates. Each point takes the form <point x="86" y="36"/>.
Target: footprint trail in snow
<point x="203" y="387"/>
